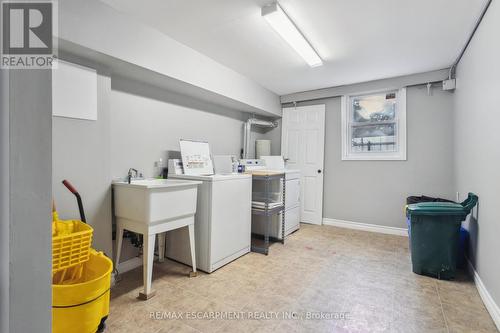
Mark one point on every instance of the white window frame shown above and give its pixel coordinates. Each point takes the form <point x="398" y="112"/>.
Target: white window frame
<point x="399" y="154"/>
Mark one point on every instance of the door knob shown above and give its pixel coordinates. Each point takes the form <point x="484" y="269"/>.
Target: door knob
<point x="319" y="170"/>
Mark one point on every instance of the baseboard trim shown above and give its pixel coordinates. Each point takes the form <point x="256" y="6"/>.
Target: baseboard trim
<point x="129" y="265"/>
<point x="366" y="227"/>
<point x="488" y="301"/>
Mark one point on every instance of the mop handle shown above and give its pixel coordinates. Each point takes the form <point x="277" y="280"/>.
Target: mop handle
<point x="78" y="199"/>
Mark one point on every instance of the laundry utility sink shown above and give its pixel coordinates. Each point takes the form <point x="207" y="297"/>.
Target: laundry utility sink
<point x="153" y="207"/>
<point x="154" y="200"/>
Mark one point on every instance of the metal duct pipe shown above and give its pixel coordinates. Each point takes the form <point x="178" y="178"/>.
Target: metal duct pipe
<point x="262" y="123"/>
<point x="247" y="131"/>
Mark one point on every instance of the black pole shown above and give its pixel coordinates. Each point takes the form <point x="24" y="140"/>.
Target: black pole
<point x="80" y="207"/>
<point x="78" y="199"/>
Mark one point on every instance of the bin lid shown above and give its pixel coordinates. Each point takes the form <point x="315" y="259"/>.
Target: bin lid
<point x="437" y="208"/>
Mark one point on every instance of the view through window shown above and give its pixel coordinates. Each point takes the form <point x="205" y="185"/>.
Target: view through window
<point x="373" y="122"/>
<point x="374" y="125"/>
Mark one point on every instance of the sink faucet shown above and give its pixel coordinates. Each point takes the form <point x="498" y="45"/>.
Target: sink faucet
<point x="129" y="175"/>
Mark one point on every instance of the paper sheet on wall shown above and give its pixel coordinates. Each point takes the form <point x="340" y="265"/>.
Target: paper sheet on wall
<point x="74" y="91"/>
<point x="196" y="158"/>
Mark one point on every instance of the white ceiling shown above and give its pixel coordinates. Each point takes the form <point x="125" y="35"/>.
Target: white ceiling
<point x="358" y="40"/>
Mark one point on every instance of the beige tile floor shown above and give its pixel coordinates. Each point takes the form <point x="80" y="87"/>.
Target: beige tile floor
<point x="320" y="270"/>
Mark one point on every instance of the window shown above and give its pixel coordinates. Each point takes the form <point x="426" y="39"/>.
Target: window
<point x="374" y="126"/>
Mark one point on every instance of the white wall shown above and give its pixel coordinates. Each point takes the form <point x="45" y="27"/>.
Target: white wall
<point x="137" y="124"/>
<point x="29" y="266"/>
<point x="147" y="122"/>
<point x="375" y="192"/>
<point x="4" y="200"/>
<point x="81" y="154"/>
<point x="477" y="144"/>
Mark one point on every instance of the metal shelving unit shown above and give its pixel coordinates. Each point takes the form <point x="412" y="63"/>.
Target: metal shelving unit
<point x="268" y="212"/>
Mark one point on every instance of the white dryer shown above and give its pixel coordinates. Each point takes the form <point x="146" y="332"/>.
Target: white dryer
<point x="222" y="222"/>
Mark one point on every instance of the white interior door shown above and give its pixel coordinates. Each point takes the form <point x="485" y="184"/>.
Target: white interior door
<point x="303" y="144"/>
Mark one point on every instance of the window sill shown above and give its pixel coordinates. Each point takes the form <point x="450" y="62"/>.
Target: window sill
<point x="374" y="158"/>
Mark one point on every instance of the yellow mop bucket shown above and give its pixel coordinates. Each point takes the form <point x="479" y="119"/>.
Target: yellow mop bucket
<point x="81" y="276"/>
<point x="82" y="305"/>
<point x="71" y="241"/>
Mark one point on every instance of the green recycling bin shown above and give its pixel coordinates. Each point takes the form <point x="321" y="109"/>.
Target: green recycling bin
<point x="434" y="231"/>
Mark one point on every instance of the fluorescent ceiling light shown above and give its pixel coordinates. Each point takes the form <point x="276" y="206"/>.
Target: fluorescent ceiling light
<point x="280" y="22"/>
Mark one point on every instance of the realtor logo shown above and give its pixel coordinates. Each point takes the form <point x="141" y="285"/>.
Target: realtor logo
<point x="27" y="30"/>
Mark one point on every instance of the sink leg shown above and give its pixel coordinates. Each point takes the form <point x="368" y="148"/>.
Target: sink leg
<point x="147" y="269"/>
<point x="193" y="250"/>
<point x="161" y="246"/>
<point x="119" y="240"/>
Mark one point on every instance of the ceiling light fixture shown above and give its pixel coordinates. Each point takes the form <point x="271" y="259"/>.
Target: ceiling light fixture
<point x="284" y="26"/>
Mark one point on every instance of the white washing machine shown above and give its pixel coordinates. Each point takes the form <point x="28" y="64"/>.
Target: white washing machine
<point x="222" y="222"/>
